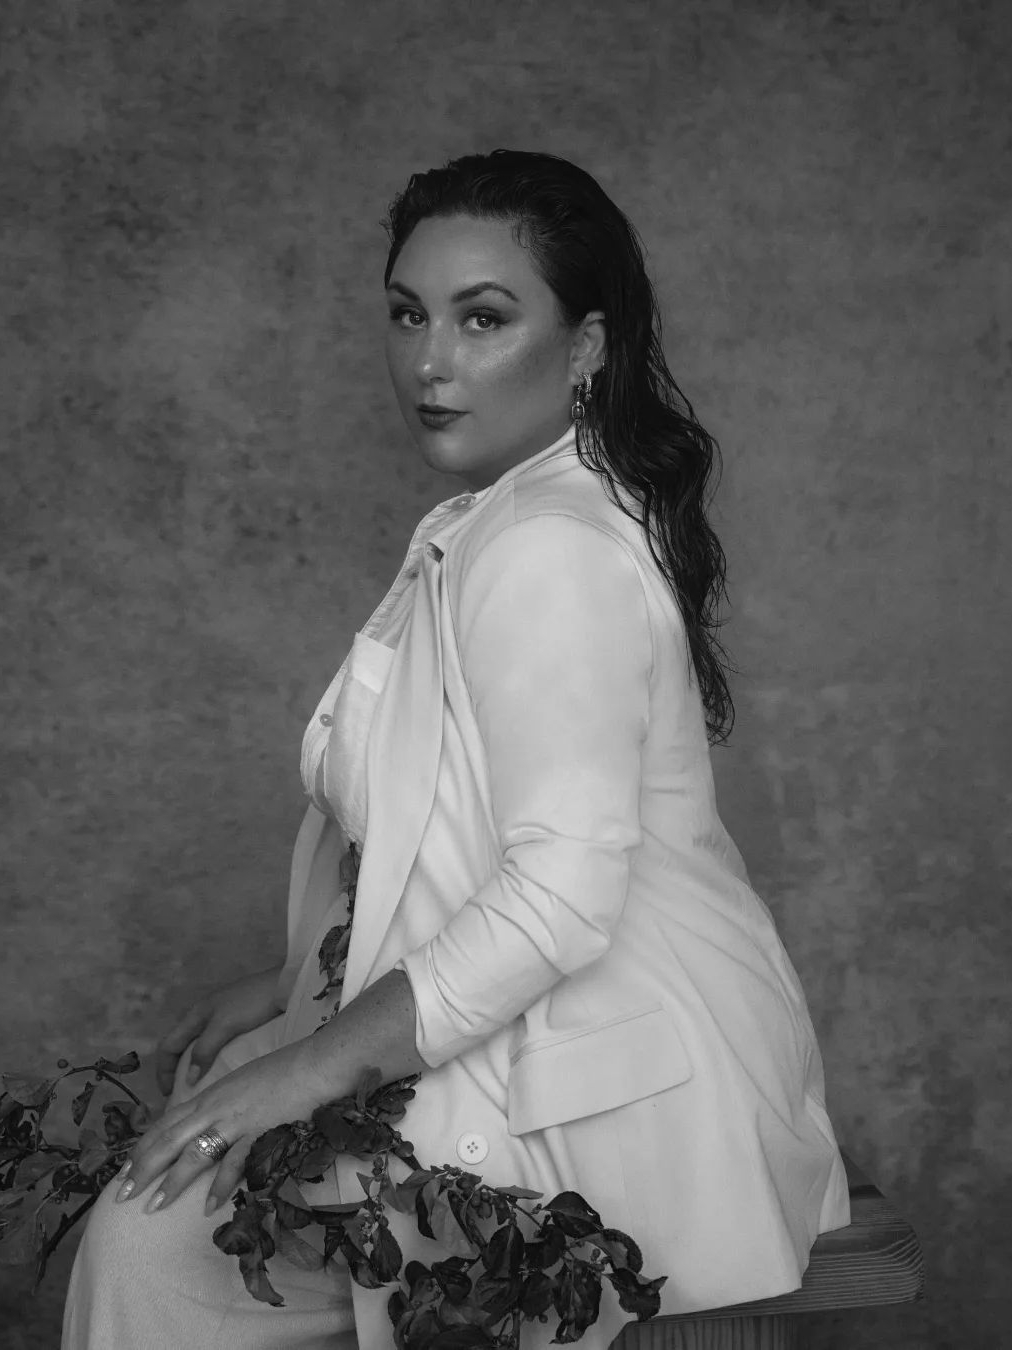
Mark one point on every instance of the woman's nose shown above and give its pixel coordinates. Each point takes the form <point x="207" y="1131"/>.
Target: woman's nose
<point x="433" y="356"/>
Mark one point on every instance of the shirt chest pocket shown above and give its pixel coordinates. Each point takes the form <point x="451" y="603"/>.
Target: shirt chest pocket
<point x="595" y="1069"/>
<point x="343" y="766"/>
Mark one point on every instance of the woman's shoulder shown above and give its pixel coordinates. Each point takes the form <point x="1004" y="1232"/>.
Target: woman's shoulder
<point x="560" y="495"/>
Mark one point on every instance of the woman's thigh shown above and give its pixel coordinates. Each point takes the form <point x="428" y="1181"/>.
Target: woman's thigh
<point x="157" y="1281"/>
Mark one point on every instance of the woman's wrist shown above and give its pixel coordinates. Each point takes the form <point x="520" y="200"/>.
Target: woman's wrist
<point x="376" y="1030"/>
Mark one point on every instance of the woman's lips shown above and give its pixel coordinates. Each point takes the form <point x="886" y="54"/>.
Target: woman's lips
<point x="437" y="419"/>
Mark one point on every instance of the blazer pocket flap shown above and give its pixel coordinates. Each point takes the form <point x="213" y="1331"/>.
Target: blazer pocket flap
<point x="595" y="1070"/>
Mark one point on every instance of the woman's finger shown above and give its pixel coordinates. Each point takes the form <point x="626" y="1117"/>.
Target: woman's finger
<point x="206" y="1047"/>
<point x="229" y="1176"/>
<point x="174" y="1042"/>
<point x="157" y="1149"/>
<point x="190" y="1162"/>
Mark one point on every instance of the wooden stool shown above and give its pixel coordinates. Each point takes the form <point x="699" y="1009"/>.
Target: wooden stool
<point x="877" y="1259"/>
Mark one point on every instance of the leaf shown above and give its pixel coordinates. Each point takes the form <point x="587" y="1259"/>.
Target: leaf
<point x="79" y="1106"/>
<point x="335" y="1127"/>
<point x="11" y="1153"/>
<point x="461" y="1338"/>
<point x="361" y="1268"/>
<point x="312" y="1165"/>
<point x="620" y="1249"/>
<point x="392" y="1101"/>
<point x="242" y="1233"/>
<point x="547" y="1252"/>
<point x="323" y="1213"/>
<point x="447" y="1231"/>
<point x="296" y="1250"/>
<point x="140" y="1117"/>
<point x="292" y="1216"/>
<point x="267" y="1156"/>
<point x="505" y="1252"/>
<point x="423" y="1197"/>
<point x="117" y="1115"/>
<point x="386" y="1255"/>
<point x="94" y="1153"/>
<point x="333" y="1235"/>
<point x="419" y="1278"/>
<point x="365" y="1182"/>
<point x="13" y="1198"/>
<point x="370" y="1081"/>
<point x="28" y="1091"/>
<point x="452" y="1278"/>
<point x="460" y="1204"/>
<point x="397" y="1305"/>
<point x="496" y="1295"/>
<point x="254" y="1274"/>
<point x="34" y="1166"/>
<point x="577" y="1299"/>
<point x="573" y="1215"/>
<point x="333" y="949"/>
<point x="347" y="871"/>
<point x="518" y="1193"/>
<point x="536" y="1294"/>
<point x="417" y="1328"/>
<point x="635" y="1295"/>
<point x="418" y="1178"/>
<point x="22" y="1242"/>
<point x="128" y="1063"/>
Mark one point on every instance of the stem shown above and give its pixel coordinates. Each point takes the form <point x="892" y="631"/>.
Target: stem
<point x="103" y="1074"/>
<point x="65" y="1225"/>
<point x="111" y="1078"/>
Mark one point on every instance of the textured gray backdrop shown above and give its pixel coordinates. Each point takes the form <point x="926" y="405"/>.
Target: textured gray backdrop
<point x="206" y="487"/>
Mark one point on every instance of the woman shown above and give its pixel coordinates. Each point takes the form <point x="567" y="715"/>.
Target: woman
<point x="551" y="923"/>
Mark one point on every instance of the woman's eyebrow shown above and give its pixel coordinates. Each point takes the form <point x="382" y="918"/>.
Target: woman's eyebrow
<point x="472" y="292"/>
<point x="458" y="297"/>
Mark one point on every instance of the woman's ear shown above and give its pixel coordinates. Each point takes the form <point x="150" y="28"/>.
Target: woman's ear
<point x="590" y="343"/>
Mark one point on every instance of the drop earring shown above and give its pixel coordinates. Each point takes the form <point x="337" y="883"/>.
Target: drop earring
<point x="579" y="409"/>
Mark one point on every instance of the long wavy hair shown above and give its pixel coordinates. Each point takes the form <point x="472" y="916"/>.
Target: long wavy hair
<point x="640" y="432"/>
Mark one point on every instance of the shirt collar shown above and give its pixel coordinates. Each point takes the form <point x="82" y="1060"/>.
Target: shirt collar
<point x="447" y="514"/>
<point x="566" y="444"/>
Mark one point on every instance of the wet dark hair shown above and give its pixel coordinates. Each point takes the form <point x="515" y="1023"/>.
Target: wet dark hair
<point x="640" y="431"/>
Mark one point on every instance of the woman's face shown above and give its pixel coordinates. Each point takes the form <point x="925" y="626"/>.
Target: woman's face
<point x="482" y="364"/>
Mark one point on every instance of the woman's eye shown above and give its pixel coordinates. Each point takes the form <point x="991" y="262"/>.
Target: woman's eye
<point x="484" y="320"/>
<point x="407" y="318"/>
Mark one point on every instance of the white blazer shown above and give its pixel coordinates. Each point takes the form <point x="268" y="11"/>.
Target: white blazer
<point x="603" y="999"/>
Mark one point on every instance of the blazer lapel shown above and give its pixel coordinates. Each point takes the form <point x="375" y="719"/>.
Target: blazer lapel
<point x="402" y="759"/>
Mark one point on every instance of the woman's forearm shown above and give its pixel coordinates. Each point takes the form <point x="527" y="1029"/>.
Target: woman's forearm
<point x="375" y="1030"/>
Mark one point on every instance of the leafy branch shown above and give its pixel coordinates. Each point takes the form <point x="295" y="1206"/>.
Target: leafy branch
<point x="39" y="1176"/>
<point x="506" y="1259"/>
<point x="509" y="1259"/>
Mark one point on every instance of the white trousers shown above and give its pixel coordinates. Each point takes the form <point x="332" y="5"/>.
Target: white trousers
<point x="157" y="1281"/>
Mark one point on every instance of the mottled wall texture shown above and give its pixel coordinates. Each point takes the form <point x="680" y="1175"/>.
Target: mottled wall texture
<point x="206" y="487"/>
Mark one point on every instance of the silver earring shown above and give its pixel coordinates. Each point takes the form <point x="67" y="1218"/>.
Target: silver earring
<point x="579" y="409"/>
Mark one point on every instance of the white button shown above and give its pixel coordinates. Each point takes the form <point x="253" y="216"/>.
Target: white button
<point x="465" y="500"/>
<point x="472" y="1147"/>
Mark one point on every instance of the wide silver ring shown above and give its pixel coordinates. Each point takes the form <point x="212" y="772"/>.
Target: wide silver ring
<point x="212" y="1145"/>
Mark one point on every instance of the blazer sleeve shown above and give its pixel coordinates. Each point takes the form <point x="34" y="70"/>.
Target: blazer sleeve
<point x="555" y="645"/>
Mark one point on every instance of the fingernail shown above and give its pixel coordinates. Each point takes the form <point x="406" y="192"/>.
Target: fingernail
<point x="125" y="1169"/>
<point x="125" y="1192"/>
<point x="212" y="1204"/>
<point x="156" y="1202"/>
<point x="192" y="1074"/>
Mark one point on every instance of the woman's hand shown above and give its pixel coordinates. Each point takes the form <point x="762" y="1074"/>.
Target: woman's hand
<point x="215" y="1020"/>
<point x="375" y="1029"/>
<point x="279" y="1087"/>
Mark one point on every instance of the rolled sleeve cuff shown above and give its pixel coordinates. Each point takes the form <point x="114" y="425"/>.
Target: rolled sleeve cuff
<point x="444" y="1030"/>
